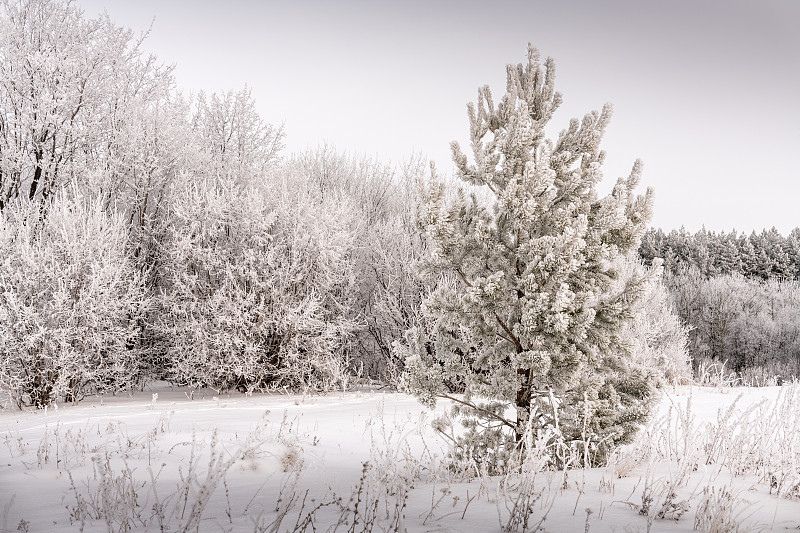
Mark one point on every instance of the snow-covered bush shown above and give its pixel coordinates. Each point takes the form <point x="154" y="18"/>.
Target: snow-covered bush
<point x="388" y="290"/>
<point x="239" y="145"/>
<point x="394" y="287"/>
<point x="656" y="337"/>
<point x="69" y="301"/>
<point x="748" y="324"/>
<point x="257" y="290"/>
<point x="396" y="291"/>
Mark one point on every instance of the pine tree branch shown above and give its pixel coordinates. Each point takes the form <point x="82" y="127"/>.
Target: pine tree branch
<point x="494" y="415"/>
<point x="514" y="339"/>
<point x="463" y="278"/>
<point x="504" y="337"/>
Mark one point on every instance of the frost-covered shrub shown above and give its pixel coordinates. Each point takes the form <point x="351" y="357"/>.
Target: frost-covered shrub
<point x="69" y="300"/>
<point x="238" y="145"/>
<point x="256" y="290"/>
<point x="394" y="287"/>
<point x="748" y="324"/>
<point x="656" y="337"/>
<point x="396" y="290"/>
<point x="388" y="290"/>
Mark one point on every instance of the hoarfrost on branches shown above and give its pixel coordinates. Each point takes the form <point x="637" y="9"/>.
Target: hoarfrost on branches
<point x="69" y="302"/>
<point x="257" y="291"/>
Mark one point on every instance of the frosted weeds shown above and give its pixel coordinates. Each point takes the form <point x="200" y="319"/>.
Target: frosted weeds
<point x="718" y="460"/>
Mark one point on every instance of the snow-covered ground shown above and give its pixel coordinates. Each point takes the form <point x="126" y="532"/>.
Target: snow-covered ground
<point x="711" y="460"/>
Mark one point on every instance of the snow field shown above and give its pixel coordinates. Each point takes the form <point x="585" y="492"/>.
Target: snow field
<point x="712" y="459"/>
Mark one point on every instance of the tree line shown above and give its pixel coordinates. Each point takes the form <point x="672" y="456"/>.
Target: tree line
<point x="150" y="234"/>
<point x="739" y="295"/>
<point x="766" y="255"/>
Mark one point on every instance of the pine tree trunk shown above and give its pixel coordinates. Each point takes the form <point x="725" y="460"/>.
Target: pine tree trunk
<point x="523" y="405"/>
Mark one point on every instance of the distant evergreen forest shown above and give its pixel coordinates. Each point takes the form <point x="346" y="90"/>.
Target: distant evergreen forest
<point x="766" y="255"/>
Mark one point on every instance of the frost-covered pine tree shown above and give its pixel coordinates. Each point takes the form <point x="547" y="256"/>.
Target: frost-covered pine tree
<point x="528" y="310"/>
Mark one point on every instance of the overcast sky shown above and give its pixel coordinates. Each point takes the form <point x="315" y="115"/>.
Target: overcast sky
<point x="707" y="93"/>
